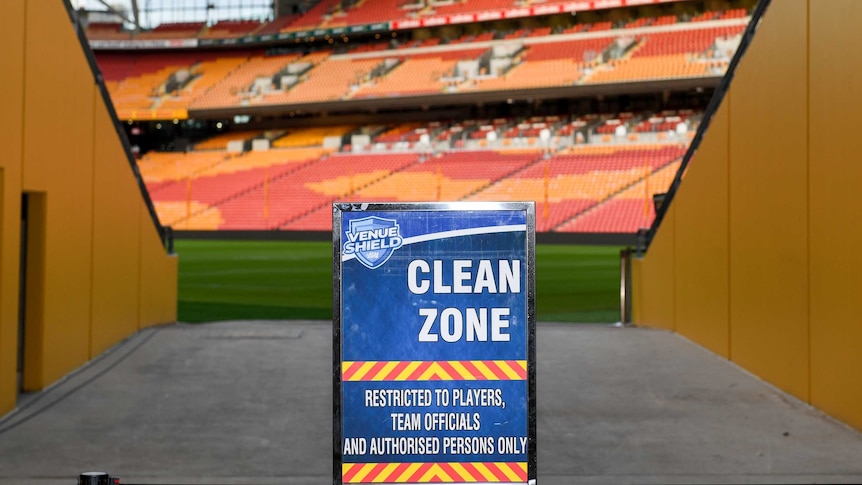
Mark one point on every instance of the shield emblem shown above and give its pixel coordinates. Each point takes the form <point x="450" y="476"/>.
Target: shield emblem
<point x="375" y="258"/>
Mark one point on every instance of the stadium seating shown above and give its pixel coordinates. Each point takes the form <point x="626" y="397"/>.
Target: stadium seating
<point x="594" y="173"/>
<point x="307" y="188"/>
<point x="628" y="211"/>
<point x="219" y="177"/>
<point x="230" y="28"/>
<point x="249" y="78"/>
<point x="313" y="17"/>
<point x="367" y="12"/>
<point x="311" y="136"/>
<point x="238" y="85"/>
<point x="107" y="31"/>
<point x="180" y="30"/>
<point x="290" y="188"/>
<point x="447" y="176"/>
<point x="220" y="142"/>
<point x="677" y="54"/>
<point x="139" y="87"/>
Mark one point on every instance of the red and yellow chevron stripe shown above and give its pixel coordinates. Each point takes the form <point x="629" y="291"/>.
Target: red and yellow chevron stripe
<point x="434" y="370"/>
<point x="433" y="472"/>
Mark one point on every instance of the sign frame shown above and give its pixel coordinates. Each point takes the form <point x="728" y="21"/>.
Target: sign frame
<point x="450" y="208"/>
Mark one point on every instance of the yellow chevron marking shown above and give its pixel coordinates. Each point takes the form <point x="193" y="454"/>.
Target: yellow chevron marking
<point x="485" y="370"/>
<point x="385" y="371"/>
<point x="463" y="474"/>
<point x="434" y="472"/>
<point x="510" y="474"/>
<point x="408" y="472"/>
<point x="363" y="472"/>
<point x="504" y="366"/>
<point x="465" y="374"/>
<point x="411" y="367"/>
<point x="435" y="370"/>
<point x="366" y="366"/>
<point x="385" y="472"/>
<point x="486" y="473"/>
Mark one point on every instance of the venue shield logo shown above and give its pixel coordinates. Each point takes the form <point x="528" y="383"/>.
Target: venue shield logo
<point x="373" y="240"/>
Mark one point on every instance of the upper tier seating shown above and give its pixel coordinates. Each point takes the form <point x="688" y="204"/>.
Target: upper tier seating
<point x="313" y="17"/>
<point x="225" y="79"/>
<point x="231" y="28"/>
<point x="107" y="31"/>
<point x="180" y="30"/>
<point x="367" y="12"/>
<point x="678" y="54"/>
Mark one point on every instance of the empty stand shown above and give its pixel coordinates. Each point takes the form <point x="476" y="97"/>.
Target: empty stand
<point x="628" y="211"/>
<point x="578" y="179"/>
<point x="195" y="198"/>
<point x="414" y="76"/>
<point x="230" y="28"/>
<point x="311" y="137"/>
<point x="180" y="30"/>
<point x="449" y="176"/>
<point x="220" y="142"/>
<point x="677" y="54"/>
<point x="368" y="12"/>
<point x="311" y="186"/>
<point x="239" y="84"/>
<point x="313" y="17"/>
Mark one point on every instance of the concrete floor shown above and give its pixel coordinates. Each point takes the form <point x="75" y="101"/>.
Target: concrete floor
<point x="251" y="403"/>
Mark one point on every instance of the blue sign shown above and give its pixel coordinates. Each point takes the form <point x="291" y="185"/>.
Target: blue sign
<point x="434" y="351"/>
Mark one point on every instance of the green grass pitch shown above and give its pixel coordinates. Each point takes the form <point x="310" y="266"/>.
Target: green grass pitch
<point x="251" y="280"/>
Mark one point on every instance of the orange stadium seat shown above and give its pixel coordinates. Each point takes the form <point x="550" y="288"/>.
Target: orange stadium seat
<point x="590" y="178"/>
<point x="231" y="177"/>
<point x="180" y="30"/>
<point x="220" y="142"/>
<point x="311" y="136"/>
<point x="313" y="17"/>
<point x="311" y="186"/>
<point x="449" y="176"/>
<point x="328" y="81"/>
<point x="230" y="28"/>
<point x="107" y="31"/>
<point x="414" y="76"/>
<point x="235" y="85"/>
<point x="628" y="211"/>
<point x="368" y="12"/>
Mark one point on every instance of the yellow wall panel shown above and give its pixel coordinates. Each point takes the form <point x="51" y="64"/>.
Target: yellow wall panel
<point x="793" y="218"/>
<point x="116" y="269"/>
<point x="88" y="230"/>
<point x="835" y="207"/>
<point x="768" y="202"/>
<point x="11" y="105"/>
<point x="655" y="295"/>
<point x="701" y="243"/>
<point x="58" y="154"/>
<point x="158" y="277"/>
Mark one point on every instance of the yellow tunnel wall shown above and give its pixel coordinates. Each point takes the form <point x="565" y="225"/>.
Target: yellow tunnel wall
<point x="96" y="268"/>
<point x="758" y="259"/>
